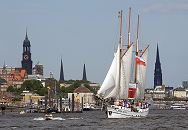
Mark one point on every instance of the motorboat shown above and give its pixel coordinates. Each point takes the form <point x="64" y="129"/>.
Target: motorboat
<point x="48" y="117"/>
<point x="86" y="107"/>
<point x="22" y="112"/>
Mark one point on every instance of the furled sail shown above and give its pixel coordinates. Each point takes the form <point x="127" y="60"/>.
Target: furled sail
<point x="141" y="62"/>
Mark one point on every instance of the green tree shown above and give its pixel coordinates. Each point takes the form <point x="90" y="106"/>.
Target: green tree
<point x="14" y="90"/>
<point x="11" y="89"/>
<point x="34" y="86"/>
<point x="75" y="84"/>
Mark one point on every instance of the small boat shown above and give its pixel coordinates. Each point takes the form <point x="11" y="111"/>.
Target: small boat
<point x="22" y="112"/>
<point x="86" y="107"/>
<point x="178" y="106"/>
<point x="48" y="117"/>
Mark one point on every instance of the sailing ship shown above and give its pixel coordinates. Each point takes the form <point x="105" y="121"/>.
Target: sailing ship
<point x="127" y="97"/>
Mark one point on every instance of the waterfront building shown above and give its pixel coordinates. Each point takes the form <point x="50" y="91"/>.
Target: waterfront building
<point x="61" y="79"/>
<point x="84" y="78"/>
<point x="159" y="92"/>
<point x="26" y="56"/>
<point x="38" y="69"/>
<point x="29" y="98"/>
<point x="82" y="92"/>
<point x="13" y="76"/>
<point x="180" y="93"/>
<point x="157" y="71"/>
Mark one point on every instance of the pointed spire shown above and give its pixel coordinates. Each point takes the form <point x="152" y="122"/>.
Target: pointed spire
<point x="157" y="55"/>
<point x="26" y="37"/>
<point x="158" y="71"/>
<point x="26" y="41"/>
<point x="84" y="74"/>
<point x="61" y="79"/>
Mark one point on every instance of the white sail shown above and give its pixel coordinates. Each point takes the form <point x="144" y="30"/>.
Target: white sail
<point x="110" y="82"/>
<point x="141" y="74"/>
<point x="117" y="80"/>
<point x="126" y="62"/>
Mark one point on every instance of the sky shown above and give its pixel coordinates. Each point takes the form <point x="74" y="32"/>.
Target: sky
<point x="86" y="31"/>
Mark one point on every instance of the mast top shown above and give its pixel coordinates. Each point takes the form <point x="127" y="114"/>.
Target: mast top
<point x="120" y="16"/>
<point x="129" y="37"/>
<point x="138" y="28"/>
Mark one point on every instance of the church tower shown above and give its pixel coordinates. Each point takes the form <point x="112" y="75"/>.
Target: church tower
<point x="61" y="79"/>
<point x="84" y="78"/>
<point x="157" y="71"/>
<point x="26" y="56"/>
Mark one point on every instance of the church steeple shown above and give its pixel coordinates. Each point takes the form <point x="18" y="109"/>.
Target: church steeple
<point x="84" y="78"/>
<point x="61" y="79"/>
<point x="26" y="42"/>
<point x="26" y="37"/>
<point x="157" y="55"/>
<point x="26" y="55"/>
<point x="158" y="71"/>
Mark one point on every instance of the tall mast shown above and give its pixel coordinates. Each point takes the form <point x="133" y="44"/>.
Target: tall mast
<point x="138" y="27"/>
<point x="129" y="35"/>
<point x="119" y="80"/>
<point x="137" y="48"/>
<point x="120" y="28"/>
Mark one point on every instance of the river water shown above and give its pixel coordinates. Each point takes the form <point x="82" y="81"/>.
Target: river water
<point x="95" y="120"/>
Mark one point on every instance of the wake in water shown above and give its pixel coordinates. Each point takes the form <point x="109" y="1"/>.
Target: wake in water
<point x="57" y="118"/>
<point x="75" y="118"/>
<point x="54" y="118"/>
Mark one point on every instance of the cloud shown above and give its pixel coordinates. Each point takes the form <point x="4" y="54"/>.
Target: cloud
<point x="167" y="7"/>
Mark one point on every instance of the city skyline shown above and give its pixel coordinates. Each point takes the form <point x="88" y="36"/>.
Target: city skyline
<point x="86" y="32"/>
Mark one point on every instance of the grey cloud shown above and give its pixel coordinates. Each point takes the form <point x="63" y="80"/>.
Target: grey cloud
<point x="168" y="7"/>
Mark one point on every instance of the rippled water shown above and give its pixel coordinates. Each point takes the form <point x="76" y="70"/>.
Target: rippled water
<point x="96" y="120"/>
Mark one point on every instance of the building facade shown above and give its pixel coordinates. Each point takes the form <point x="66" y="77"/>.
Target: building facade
<point x="13" y="76"/>
<point x="180" y="93"/>
<point x="38" y="69"/>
